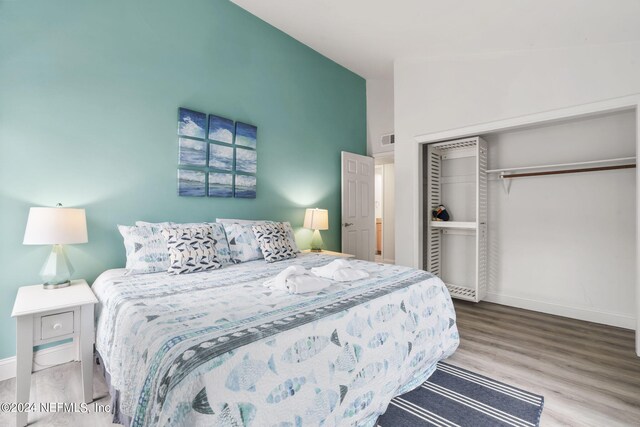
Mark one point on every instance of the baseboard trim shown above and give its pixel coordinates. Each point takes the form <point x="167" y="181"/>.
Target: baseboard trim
<point x="388" y="261"/>
<point x="7" y="368"/>
<point x="42" y="359"/>
<point x="606" y="318"/>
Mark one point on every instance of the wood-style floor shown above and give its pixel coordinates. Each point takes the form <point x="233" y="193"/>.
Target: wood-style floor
<point x="588" y="374"/>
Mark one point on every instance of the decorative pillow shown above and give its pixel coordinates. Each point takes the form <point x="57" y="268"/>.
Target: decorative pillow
<point x="291" y="236"/>
<point x="287" y="227"/>
<point x="238" y="221"/>
<point x="191" y="249"/>
<point x="242" y="243"/>
<point x="146" y="250"/>
<point x="158" y="225"/>
<point x="218" y="234"/>
<point x="274" y="242"/>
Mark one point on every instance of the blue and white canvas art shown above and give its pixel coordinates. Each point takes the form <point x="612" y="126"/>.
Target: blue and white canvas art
<point x="245" y="187"/>
<point x="220" y="184"/>
<point x="191" y="183"/>
<point x="192" y="152"/>
<point x="246" y="160"/>
<point x="220" y="157"/>
<point x="191" y="123"/>
<point x="246" y="135"/>
<point x="220" y="129"/>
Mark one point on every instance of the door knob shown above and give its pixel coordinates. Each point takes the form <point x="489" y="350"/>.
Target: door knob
<point x="348" y="224"/>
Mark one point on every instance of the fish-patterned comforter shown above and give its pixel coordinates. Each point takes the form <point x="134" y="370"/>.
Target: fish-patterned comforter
<point x="218" y="349"/>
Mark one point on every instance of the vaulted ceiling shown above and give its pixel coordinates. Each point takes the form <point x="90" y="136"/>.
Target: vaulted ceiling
<point x="366" y="36"/>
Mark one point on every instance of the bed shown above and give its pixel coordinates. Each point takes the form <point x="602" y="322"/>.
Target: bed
<point x="219" y="349"/>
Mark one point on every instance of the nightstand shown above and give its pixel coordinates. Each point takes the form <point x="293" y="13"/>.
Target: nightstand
<point x="323" y="252"/>
<point x="49" y="315"/>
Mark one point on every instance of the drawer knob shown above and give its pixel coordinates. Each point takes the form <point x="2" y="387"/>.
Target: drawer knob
<point x="57" y="326"/>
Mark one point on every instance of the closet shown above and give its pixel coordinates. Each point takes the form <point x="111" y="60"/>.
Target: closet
<point x="542" y="216"/>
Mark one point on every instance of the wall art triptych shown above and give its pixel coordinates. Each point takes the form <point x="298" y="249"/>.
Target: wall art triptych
<point x="216" y="157"/>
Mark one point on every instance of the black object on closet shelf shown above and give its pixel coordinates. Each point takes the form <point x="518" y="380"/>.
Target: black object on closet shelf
<point x="440" y="214"/>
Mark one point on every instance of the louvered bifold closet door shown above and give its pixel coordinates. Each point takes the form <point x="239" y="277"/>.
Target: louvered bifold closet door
<point x="482" y="218"/>
<point x="434" y="241"/>
<point x="456" y="250"/>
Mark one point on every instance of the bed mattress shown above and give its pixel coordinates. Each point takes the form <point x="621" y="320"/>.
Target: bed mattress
<point x="218" y="348"/>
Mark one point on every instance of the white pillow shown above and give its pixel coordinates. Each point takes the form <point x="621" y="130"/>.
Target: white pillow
<point x="145" y="248"/>
<point x="238" y="221"/>
<point x="154" y="224"/>
<point x="287" y="228"/>
<point x="242" y="242"/>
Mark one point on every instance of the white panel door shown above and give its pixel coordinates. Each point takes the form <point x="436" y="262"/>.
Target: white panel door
<point x="358" y="206"/>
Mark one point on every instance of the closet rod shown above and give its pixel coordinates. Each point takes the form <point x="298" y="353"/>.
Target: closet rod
<point x="558" y="172"/>
<point x="591" y="163"/>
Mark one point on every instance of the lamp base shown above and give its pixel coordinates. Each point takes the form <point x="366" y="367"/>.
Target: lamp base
<point x="56" y="285"/>
<point x="57" y="270"/>
<point x="316" y="241"/>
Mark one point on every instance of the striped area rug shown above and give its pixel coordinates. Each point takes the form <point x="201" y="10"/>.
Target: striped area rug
<point x="456" y="397"/>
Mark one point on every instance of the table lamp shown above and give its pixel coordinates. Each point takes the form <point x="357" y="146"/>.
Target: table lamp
<point x="316" y="219"/>
<point x="56" y="226"/>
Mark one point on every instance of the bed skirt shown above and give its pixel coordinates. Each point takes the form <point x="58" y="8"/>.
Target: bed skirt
<point x="118" y="416"/>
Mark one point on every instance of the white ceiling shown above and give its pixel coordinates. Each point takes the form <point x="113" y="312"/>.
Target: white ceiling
<point x="366" y="36"/>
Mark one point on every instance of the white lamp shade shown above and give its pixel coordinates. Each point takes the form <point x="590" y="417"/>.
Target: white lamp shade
<point x="316" y="219"/>
<point x="55" y="226"/>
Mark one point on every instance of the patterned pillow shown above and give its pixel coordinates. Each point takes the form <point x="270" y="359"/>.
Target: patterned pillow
<point x="146" y="250"/>
<point x="242" y="243"/>
<point x="274" y="242"/>
<point x="287" y="226"/>
<point x="158" y="225"/>
<point x="191" y="249"/>
<point x="218" y="234"/>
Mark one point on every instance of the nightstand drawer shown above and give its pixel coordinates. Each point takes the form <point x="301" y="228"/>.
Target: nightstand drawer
<point x="56" y="325"/>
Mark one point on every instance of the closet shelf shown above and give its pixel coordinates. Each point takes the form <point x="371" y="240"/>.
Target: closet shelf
<point x="461" y="225"/>
<point x="604" y="163"/>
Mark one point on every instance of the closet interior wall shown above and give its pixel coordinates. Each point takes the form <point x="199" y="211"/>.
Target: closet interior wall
<point x="565" y="240"/>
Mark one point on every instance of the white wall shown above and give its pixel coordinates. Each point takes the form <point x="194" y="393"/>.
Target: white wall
<point x="388" y="215"/>
<point x="434" y="95"/>
<point x="565" y="240"/>
<point x="378" y="191"/>
<point x="379" y="114"/>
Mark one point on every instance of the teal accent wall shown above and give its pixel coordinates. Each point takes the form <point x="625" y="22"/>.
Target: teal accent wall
<point x="89" y="92"/>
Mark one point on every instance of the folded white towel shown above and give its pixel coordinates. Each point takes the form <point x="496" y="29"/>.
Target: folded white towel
<point x="340" y="270"/>
<point x="280" y="280"/>
<point x="296" y="279"/>
<point x="349" y="275"/>
<point x="328" y="270"/>
<point x="303" y="284"/>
